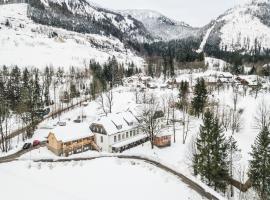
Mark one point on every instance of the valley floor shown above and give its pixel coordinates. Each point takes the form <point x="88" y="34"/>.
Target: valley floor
<point x="124" y="179"/>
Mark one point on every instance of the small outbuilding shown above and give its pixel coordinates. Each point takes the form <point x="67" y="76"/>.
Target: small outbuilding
<point x="162" y="140"/>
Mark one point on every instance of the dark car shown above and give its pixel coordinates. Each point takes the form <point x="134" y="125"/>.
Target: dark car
<point x="77" y="121"/>
<point x="27" y="145"/>
<point x="43" y="112"/>
<point x="47" y="111"/>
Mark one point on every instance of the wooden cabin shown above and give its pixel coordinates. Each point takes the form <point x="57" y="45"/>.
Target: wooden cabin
<point x="162" y="140"/>
<point x="71" y="139"/>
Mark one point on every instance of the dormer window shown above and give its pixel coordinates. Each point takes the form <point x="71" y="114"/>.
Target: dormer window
<point x="119" y="127"/>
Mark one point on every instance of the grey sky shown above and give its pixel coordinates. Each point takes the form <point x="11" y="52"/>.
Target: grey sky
<point x="193" y="12"/>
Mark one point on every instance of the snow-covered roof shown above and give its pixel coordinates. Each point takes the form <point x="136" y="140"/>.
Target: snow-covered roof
<point x="72" y="131"/>
<point x="145" y="78"/>
<point x="182" y="78"/>
<point x="117" y="122"/>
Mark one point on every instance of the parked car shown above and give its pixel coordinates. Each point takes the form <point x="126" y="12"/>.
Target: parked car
<point x="47" y="111"/>
<point x="36" y="143"/>
<point x="43" y="112"/>
<point x="62" y="123"/>
<point x="77" y="121"/>
<point x="27" y="146"/>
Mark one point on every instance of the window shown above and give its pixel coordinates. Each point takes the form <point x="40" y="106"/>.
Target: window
<point x="101" y="139"/>
<point x="123" y="136"/>
<point x="126" y="134"/>
<point x="114" y="138"/>
<point x="138" y="131"/>
<point x="134" y="132"/>
<point x="119" y="137"/>
<point x="130" y="134"/>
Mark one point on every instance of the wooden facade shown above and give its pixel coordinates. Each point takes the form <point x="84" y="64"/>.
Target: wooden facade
<point x="162" y="141"/>
<point x="67" y="148"/>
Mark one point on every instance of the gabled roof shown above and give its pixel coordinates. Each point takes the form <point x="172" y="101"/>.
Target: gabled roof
<point x="72" y="131"/>
<point x="117" y="122"/>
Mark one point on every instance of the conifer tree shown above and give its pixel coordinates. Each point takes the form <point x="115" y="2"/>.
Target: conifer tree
<point x="13" y="87"/>
<point x="200" y="97"/>
<point x="25" y="78"/>
<point x="47" y="83"/>
<point x="259" y="172"/>
<point x="25" y="103"/>
<point x="211" y="153"/>
<point x="37" y="98"/>
<point x="183" y="93"/>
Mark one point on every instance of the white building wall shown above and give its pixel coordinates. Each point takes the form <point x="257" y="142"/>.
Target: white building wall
<point x="108" y="140"/>
<point x="104" y="144"/>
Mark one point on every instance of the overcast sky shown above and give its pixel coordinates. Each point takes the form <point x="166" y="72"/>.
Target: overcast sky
<point x="193" y="12"/>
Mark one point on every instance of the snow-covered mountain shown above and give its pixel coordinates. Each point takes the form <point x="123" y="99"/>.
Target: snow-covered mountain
<point x="162" y="27"/>
<point x="26" y="43"/>
<point x="244" y="28"/>
<point x="85" y="17"/>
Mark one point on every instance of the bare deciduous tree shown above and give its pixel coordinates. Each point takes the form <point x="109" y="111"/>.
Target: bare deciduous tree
<point x="225" y="119"/>
<point x="105" y="101"/>
<point x="262" y="116"/>
<point x="186" y="121"/>
<point x="150" y="123"/>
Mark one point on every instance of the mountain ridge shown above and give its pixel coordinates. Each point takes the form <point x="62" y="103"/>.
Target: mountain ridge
<point x="162" y="27"/>
<point x="244" y="28"/>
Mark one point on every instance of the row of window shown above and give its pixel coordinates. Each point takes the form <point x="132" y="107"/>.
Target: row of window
<point x="123" y="136"/>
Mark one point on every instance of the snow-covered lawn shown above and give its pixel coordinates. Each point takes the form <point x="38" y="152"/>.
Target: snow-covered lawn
<point x="106" y="178"/>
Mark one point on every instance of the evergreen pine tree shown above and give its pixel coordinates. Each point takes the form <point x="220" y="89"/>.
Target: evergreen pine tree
<point x="73" y="91"/>
<point x="259" y="171"/>
<point x="14" y="88"/>
<point x="200" y="97"/>
<point x="25" y="78"/>
<point x="183" y="92"/>
<point x="212" y="152"/>
<point x="220" y="149"/>
<point x="47" y="84"/>
<point x="37" y="102"/>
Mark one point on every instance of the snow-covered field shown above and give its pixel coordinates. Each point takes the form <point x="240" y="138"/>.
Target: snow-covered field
<point x="106" y="178"/>
<point x="27" y="44"/>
